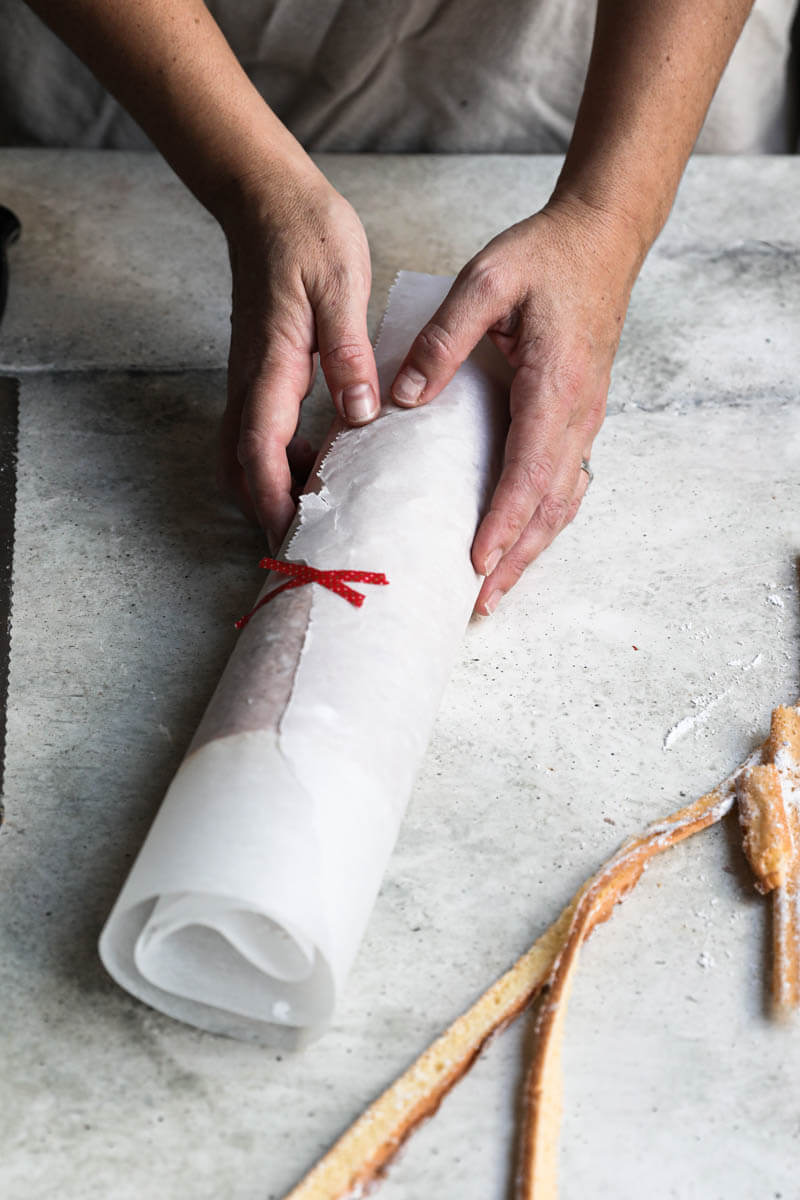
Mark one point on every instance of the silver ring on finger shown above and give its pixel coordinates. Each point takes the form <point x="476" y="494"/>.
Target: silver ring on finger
<point x="587" y="468"/>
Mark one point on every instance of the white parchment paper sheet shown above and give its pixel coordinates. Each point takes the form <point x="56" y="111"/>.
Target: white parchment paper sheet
<point x="247" y="902"/>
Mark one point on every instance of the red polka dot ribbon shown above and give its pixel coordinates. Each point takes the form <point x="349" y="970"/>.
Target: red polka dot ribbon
<point x="334" y="581"/>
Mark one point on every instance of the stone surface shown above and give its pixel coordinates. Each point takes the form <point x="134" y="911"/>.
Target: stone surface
<point x="635" y="664"/>
<point x="119" y="266"/>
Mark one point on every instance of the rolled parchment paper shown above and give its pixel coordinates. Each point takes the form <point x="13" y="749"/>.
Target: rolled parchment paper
<point x="244" y="909"/>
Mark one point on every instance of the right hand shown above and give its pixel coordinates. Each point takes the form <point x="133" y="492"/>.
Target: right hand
<point x="301" y="282"/>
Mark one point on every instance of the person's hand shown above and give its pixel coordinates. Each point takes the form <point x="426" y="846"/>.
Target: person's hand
<point x="301" y="282"/>
<point x="551" y="292"/>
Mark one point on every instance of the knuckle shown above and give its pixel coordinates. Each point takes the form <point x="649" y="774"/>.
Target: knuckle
<point x="533" y="475"/>
<point x="518" y="559"/>
<point x="553" y="510"/>
<point x="485" y="279"/>
<point x="343" y="357"/>
<point x="508" y="518"/>
<point x="435" y="344"/>
<point x="251" y="447"/>
<point x="347" y="277"/>
<point x="343" y="278"/>
<point x="564" y="377"/>
<point x="573" y="508"/>
<point x="513" y="510"/>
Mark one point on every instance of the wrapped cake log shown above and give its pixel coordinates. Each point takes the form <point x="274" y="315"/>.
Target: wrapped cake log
<point x="247" y="902"/>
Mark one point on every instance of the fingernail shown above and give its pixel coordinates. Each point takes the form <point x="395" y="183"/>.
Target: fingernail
<point x="493" y="601"/>
<point x="409" y="386"/>
<point x="359" y="403"/>
<point x="492" y="560"/>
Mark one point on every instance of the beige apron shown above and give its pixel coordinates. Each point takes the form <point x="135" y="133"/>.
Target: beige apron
<point x="399" y="75"/>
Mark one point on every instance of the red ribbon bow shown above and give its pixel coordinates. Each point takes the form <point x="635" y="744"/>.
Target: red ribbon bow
<point x="334" y="581"/>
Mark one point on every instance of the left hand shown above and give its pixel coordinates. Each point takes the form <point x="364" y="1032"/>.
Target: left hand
<point x="551" y="293"/>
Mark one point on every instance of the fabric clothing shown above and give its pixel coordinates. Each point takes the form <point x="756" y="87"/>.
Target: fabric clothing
<point x="400" y="76"/>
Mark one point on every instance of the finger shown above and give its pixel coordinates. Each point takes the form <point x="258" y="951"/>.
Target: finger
<point x="232" y="481"/>
<point x="230" y="477"/>
<point x="535" y="449"/>
<point x="474" y="304"/>
<point x="553" y="514"/>
<point x="269" y="415"/>
<point x="301" y="456"/>
<point x="347" y="359"/>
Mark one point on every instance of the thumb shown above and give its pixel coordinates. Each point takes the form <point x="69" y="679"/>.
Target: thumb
<point x="444" y="343"/>
<point x="348" y="361"/>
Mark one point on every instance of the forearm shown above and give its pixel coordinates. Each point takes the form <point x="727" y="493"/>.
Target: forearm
<point x="653" y="72"/>
<point x="169" y="65"/>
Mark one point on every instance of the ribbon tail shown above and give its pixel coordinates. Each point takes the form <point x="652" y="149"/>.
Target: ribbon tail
<point x="361" y="576"/>
<point x="333" y="583"/>
<point x="290" y="583"/>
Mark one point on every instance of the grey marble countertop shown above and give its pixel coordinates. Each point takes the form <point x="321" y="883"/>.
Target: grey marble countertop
<point x="635" y="665"/>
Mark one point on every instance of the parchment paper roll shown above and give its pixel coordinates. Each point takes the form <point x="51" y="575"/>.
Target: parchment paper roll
<point x="247" y="902"/>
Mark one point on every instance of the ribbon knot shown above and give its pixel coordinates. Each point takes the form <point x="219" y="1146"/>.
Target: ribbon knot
<point x="299" y="574"/>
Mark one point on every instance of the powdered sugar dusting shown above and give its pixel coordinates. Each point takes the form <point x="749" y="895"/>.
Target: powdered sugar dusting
<point x="703" y="710"/>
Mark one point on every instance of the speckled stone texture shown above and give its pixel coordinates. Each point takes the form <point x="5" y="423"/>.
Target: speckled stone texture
<point x="633" y="667"/>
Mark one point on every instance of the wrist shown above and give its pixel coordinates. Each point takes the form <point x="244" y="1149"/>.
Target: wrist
<point x="611" y="238"/>
<point x="631" y="208"/>
<point x="257" y="195"/>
